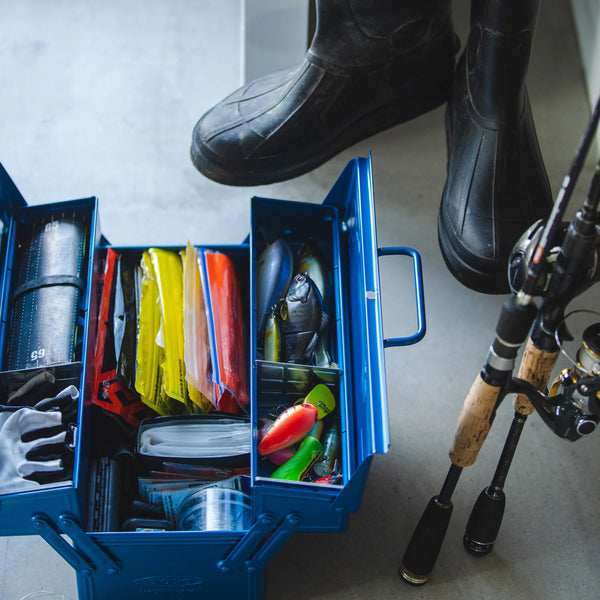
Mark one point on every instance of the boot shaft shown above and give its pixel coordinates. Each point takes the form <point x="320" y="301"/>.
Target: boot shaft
<point x="357" y="33"/>
<point x="498" y="53"/>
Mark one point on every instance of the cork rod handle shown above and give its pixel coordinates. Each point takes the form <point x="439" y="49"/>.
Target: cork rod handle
<point x="536" y="367"/>
<point x="474" y="422"/>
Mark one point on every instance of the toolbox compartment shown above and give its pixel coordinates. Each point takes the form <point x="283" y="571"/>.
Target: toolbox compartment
<point x="226" y="563"/>
<point x="22" y="224"/>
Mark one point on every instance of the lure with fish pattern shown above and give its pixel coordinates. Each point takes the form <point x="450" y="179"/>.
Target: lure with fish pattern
<point x="300" y="313"/>
<point x="310" y="261"/>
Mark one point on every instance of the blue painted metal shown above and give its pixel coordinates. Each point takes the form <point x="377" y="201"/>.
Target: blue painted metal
<point x="419" y="296"/>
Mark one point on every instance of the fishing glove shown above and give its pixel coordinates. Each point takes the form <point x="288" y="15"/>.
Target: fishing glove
<point x="34" y="443"/>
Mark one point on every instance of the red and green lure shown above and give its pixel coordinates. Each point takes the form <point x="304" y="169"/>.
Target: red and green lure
<point x="294" y="423"/>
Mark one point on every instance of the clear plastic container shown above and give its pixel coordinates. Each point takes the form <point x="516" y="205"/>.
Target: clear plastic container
<point x="215" y="509"/>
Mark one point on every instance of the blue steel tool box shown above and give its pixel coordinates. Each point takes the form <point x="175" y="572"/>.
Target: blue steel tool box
<point x="224" y="564"/>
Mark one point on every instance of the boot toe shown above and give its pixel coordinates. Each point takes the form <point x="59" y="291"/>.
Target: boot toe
<point x="246" y="138"/>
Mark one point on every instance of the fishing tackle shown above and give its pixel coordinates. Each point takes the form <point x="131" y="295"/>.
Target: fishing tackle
<point x="274" y="272"/>
<point x="333" y="479"/>
<point x="311" y="262"/>
<point x="294" y="423"/>
<point x="279" y="456"/>
<point x="301" y="314"/>
<point x="298" y="466"/>
<point x="322" y="398"/>
<point x="326" y="463"/>
<point x="272" y="341"/>
<point x="291" y="426"/>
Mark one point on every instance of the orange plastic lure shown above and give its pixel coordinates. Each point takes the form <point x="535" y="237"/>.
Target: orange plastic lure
<point x="289" y="427"/>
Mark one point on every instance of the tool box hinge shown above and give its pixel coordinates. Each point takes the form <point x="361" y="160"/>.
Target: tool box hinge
<point x="46" y="529"/>
<point x="261" y="542"/>
<point x="273" y="544"/>
<point x="85" y="556"/>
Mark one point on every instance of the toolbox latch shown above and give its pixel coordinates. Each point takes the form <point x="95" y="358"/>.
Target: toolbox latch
<point x="91" y="557"/>
<point x="245" y="554"/>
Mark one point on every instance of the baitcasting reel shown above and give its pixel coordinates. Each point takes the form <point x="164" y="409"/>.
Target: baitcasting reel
<point x="522" y="254"/>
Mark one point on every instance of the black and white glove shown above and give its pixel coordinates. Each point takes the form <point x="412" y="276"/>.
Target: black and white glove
<point x="34" y="443"/>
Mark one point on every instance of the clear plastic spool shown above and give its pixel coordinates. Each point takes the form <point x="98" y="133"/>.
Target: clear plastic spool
<point x="215" y="509"/>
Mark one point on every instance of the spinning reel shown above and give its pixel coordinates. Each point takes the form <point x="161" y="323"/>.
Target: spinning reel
<point x="573" y="406"/>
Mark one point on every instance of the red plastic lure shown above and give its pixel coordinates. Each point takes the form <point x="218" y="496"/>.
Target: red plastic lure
<point x="289" y="427"/>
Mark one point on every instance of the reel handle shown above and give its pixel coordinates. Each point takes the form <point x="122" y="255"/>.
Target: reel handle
<point x="536" y="367"/>
<point x="474" y="422"/>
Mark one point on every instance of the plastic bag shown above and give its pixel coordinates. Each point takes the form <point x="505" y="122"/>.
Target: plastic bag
<point x="224" y="312"/>
<point x="195" y="334"/>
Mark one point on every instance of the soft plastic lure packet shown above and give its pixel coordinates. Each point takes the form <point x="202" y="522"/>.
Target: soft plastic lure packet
<point x="226" y="329"/>
<point x="195" y="333"/>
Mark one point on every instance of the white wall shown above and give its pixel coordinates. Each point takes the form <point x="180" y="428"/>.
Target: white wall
<point x="275" y="35"/>
<point x="587" y="24"/>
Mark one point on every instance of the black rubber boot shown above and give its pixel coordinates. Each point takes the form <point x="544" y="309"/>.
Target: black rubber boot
<point x="372" y="64"/>
<point x="497" y="184"/>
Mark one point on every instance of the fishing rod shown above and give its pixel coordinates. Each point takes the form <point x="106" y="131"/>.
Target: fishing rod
<point x="557" y="263"/>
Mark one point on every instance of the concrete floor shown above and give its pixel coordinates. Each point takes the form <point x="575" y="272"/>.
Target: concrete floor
<point x="101" y="98"/>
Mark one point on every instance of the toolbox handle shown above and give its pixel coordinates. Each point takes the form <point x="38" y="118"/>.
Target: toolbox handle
<point x="420" y="301"/>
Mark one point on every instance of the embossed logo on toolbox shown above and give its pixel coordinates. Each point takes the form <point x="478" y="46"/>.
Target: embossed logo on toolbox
<point x="169" y="583"/>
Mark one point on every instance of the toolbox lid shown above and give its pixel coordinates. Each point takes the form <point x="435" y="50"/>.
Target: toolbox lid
<point x="352" y="194"/>
<point x="10" y="199"/>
